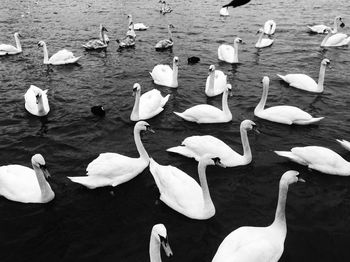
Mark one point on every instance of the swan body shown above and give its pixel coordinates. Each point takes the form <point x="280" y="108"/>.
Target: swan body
<point x="318" y="158"/>
<point x="198" y="146"/>
<point x="304" y="82"/>
<point x="263" y="42"/>
<point x="10" y="49"/>
<point x="282" y="114"/>
<point x="137" y="26"/>
<point x="181" y="192"/>
<point x="36" y="101"/>
<point x="338" y="39"/>
<point x="270" y="27"/>
<point x="229" y="53"/>
<point x="148" y="105"/>
<point x="320" y="29"/>
<point x="260" y="244"/>
<point x="207" y="113"/>
<point x="216" y="82"/>
<point x="26" y="185"/>
<point x="165" y="76"/>
<point x="166" y="43"/>
<point x="159" y="238"/>
<point x="62" y="57"/>
<point x="96" y="44"/>
<point x="129" y="39"/>
<point x="224" y="11"/>
<point x="112" y="169"/>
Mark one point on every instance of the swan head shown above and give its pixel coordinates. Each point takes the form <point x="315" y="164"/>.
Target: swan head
<point x="210" y="160"/>
<point x="160" y="234"/>
<point x="265" y="81"/>
<point x="339" y="20"/>
<point x="136" y="88"/>
<point x="176" y="60"/>
<point x="170" y="26"/>
<point x="325" y="62"/>
<point x="39" y="162"/>
<point x="102" y="28"/>
<point x="41" y="43"/>
<point x="143" y="125"/>
<point x="229" y="89"/>
<point x="17" y="34"/>
<point x="291" y="177"/>
<point x="327" y="30"/>
<point x="129" y="16"/>
<point x="211" y="69"/>
<point x="248" y="125"/>
<point x="261" y="30"/>
<point x="238" y="40"/>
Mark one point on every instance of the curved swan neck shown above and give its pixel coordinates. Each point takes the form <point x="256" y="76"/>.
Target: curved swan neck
<point x="136" y="109"/>
<point x="46" y="54"/>
<point x="235" y="52"/>
<point x="325" y="39"/>
<point x="321" y="77"/>
<point x="211" y="80"/>
<point x="225" y="107"/>
<point x="204" y="184"/>
<point x="260" y="38"/>
<point x="170" y="34"/>
<point x="140" y="148"/>
<point x="154" y="249"/>
<point x="102" y="35"/>
<point x="45" y="188"/>
<point x="247" y="154"/>
<point x="335" y="26"/>
<point x="280" y="215"/>
<point x="263" y="99"/>
<point x="18" y="43"/>
<point x="175" y="74"/>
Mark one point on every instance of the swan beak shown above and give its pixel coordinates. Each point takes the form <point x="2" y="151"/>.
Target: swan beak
<point x="255" y="129"/>
<point x="342" y="25"/>
<point x="218" y="162"/>
<point x="148" y="128"/>
<point x="44" y="169"/>
<point x="300" y="179"/>
<point x="166" y="247"/>
<point x="134" y="90"/>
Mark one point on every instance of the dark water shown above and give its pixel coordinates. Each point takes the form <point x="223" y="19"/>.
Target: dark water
<point x="109" y="224"/>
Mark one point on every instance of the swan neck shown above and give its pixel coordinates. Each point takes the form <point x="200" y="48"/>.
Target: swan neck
<point x="154" y="249"/>
<point x="260" y="38"/>
<point x="235" y="52"/>
<point x="43" y="184"/>
<point x="335" y="26"/>
<point x="175" y="74"/>
<point x="140" y="148"/>
<point x="247" y="154"/>
<point x="18" y="43"/>
<point x="135" y="114"/>
<point x="211" y="81"/>
<point x="46" y="54"/>
<point x="170" y="34"/>
<point x="225" y="107"/>
<point x="325" y="39"/>
<point x="208" y="203"/>
<point x="321" y="77"/>
<point x="261" y="105"/>
<point x="280" y="216"/>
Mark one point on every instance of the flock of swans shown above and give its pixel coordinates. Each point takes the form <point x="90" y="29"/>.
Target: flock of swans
<point x="177" y="189"/>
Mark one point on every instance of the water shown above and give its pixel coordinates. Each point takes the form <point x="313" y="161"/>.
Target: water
<point x="109" y="224"/>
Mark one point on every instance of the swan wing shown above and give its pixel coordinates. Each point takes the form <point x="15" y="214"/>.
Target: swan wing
<point x="318" y="28"/>
<point x="30" y="100"/>
<point x="162" y="75"/>
<point x="165" y="43"/>
<point x="202" y="113"/>
<point x="284" y="114"/>
<point x="151" y="103"/>
<point x="8" y="49"/>
<point x="338" y="39"/>
<point x="301" y="81"/>
<point x="95" y="44"/>
<point x="226" y="53"/>
<point x="63" y="57"/>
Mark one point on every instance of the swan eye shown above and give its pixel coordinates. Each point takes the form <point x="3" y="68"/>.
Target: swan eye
<point x="42" y="166"/>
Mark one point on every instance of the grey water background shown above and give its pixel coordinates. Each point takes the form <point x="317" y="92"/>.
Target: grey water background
<point x="114" y="224"/>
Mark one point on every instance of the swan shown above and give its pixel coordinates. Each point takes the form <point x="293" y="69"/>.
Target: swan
<point x="263" y="42"/>
<point x="97" y="43"/>
<point x="181" y="192"/>
<point x="137" y="26"/>
<point x="159" y="237"/>
<point x="197" y="146"/>
<point x="338" y="39"/>
<point x="224" y="11"/>
<point x="282" y="114"/>
<point x="207" y="113"/>
<point x="112" y="169"/>
<point x="344" y="143"/>
<point x="318" y="158"/>
<point x="228" y="53"/>
<point x="62" y="57"/>
<point x="166" y="43"/>
<point x="165" y="76"/>
<point x="148" y="105"/>
<point x="260" y="244"/>
<point x="10" y="49"/>
<point x="26" y="185"/>
<point x="269" y="27"/>
<point x="320" y="29"/>
<point x="304" y="82"/>
<point x="36" y="101"/>
<point x="129" y="39"/>
<point x="165" y="8"/>
<point x="216" y="82"/>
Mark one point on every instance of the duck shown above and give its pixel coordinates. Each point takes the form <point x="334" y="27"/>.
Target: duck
<point x="163" y="75"/>
<point x="159" y="238"/>
<point x="306" y="83"/>
<point x="263" y="42"/>
<point x="338" y="39"/>
<point x="207" y="113"/>
<point x="229" y="53"/>
<point x="137" y="26"/>
<point x="128" y="40"/>
<point x="36" y="101"/>
<point x="181" y="192"/>
<point x="165" y="8"/>
<point x="148" y="105"/>
<point x="269" y="27"/>
<point x="318" y="158"/>
<point x="282" y="114"/>
<point x="112" y="169"/>
<point x="96" y="44"/>
<point x="236" y="3"/>
<point x="224" y="11"/>
<point x="320" y="29"/>
<point x="98" y="110"/>
<point x="260" y="244"/>
<point x="10" y="49"/>
<point x="197" y="146"/>
<point x="216" y="82"/>
<point x="166" y="43"/>
<point x="62" y="57"/>
<point x="23" y="184"/>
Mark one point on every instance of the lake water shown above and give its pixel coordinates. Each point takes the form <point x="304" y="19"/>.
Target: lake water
<point x="113" y="224"/>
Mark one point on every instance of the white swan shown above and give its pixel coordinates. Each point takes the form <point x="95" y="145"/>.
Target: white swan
<point x="216" y="82"/>
<point x="318" y="158"/>
<point x="112" y="169"/>
<point x="165" y="76"/>
<point x="129" y="39"/>
<point x="36" y="101"/>
<point x="26" y="185"/>
<point x="148" y="105"/>
<point x="166" y="43"/>
<point x="320" y="29"/>
<point x="270" y="27"/>
<point x="224" y="11"/>
<point x="207" y="113"/>
<point x="159" y="237"/>
<point x="137" y="26"/>
<point x="344" y="143"/>
<point x="197" y="146"/>
<point x="96" y="44"/>
<point x="10" y="49"/>
<point x="229" y="53"/>
<point x="338" y="39"/>
<point x="62" y="57"/>
<point x="263" y="42"/>
<point x="304" y="82"/>
<point x="181" y="192"/>
<point x="282" y="114"/>
<point x="260" y="244"/>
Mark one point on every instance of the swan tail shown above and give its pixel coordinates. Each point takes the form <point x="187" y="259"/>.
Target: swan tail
<point x="344" y="143"/>
<point x="91" y="182"/>
<point x="282" y="77"/>
<point x="309" y="121"/>
<point x="291" y="157"/>
<point x="165" y="99"/>
<point x="182" y="150"/>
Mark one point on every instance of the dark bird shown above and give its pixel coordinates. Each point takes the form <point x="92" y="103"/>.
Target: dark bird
<point x="193" y="60"/>
<point x="236" y="3"/>
<point x="98" y="110"/>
